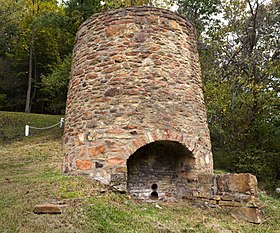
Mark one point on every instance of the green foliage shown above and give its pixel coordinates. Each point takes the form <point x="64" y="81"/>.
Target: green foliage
<point x="113" y="4"/>
<point x="200" y="12"/>
<point x="55" y="86"/>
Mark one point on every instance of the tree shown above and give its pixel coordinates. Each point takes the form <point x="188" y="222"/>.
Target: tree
<point x="36" y="40"/>
<point x="32" y="26"/>
<point x="77" y="11"/>
<point x="200" y="12"/>
<point x="112" y="4"/>
<point x="240" y="64"/>
<point x="55" y="86"/>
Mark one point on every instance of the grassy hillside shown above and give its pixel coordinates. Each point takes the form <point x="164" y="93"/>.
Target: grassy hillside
<point x="30" y="174"/>
<point x="12" y="125"/>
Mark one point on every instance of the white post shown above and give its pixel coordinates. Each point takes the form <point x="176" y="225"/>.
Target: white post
<point x="26" y="130"/>
<point x="61" y="122"/>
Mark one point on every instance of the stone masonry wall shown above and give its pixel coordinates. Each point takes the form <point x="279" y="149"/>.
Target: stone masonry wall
<point x="135" y="80"/>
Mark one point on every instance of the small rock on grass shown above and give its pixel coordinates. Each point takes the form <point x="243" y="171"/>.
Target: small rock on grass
<point x="47" y="209"/>
<point x="158" y="206"/>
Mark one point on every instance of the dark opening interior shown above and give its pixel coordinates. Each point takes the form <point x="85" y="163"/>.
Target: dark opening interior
<point x="155" y="169"/>
<point x="154" y="195"/>
<point x="154" y="187"/>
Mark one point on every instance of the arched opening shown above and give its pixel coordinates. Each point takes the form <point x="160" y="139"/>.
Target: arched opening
<point x="154" y="194"/>
<point x="156" y="170"/>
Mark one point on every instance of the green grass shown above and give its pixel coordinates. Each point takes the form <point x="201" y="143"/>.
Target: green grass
<point x="12" y="125"/>
<point x="30" y="174"/>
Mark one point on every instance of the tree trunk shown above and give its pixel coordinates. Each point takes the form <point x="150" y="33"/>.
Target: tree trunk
<point x="28" y="95"/>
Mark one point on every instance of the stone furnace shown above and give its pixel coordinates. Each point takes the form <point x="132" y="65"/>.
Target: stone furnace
<point x="135" y="117"/>
<point x="135" y="112"/>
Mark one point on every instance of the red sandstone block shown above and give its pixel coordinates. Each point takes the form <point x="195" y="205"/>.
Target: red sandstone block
<point x="163" y="84"/>
<point x="121" y="169"/>
<point x="139" y="142"/>
<point x="133" y="92"/>
<point x="157" y="62"/>
<point x="115" y="160"/>
<point x="102" y="100"/>
<point x="114" y="131"/>
<point x="132" y="53"/>
<point x="179" y="137"/>
<point x="75" y="83"/>
<point x="117" y="80"/>
<point x="115" y="30"/>
<point x="174" y="25"/>
<point x="152" y="19"/>
<point x="154" y="136"/>
<point x="155" y="48"/>
<point x="129" y="43"/>
<point x="91" y="76"/>
<point x="92" y="56"/>
<point x="111" y="69"/>
<point x="97" y="150"/>
<point x="87" y="115"/>
<point x="78" y="72"/>
<point x="130" y="127"/>
<point x="117" y="149"/>
<point x="83" y="164"/>
<point x="82" y="152"/>
<point x="123" y="21"/>
<point x="66" y="158"/>
<point x="166" y="134"/>
<point x="139" y="20"/>
<point x="186" y="46"/>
